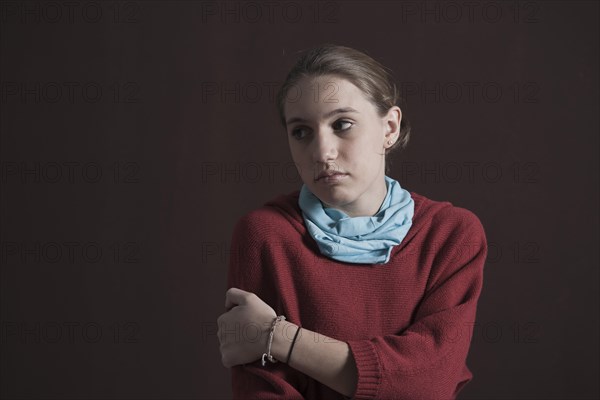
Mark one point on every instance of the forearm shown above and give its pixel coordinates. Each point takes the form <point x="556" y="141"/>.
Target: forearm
<point x="325" y="359"/>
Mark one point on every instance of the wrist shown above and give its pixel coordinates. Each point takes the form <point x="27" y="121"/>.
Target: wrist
<point x="282" y="340"/>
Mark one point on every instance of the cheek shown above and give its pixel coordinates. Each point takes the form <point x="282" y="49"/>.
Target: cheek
<point x="359" y="149"/>
<point x="301" y="161"/>
<point x="363" y="153"/>
<point x="297" y="154"/>
<point x="373" y="141"/>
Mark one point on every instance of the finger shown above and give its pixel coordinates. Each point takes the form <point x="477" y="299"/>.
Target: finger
<point x="235" y="297"/>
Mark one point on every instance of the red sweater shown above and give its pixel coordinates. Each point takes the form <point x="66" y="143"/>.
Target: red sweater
<point x="408" y="322"/>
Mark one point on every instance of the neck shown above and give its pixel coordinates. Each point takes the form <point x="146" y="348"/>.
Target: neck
<point x="369" y="203"/>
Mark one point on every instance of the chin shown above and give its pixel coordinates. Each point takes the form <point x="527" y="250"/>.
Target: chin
<point x="334" y="196"/>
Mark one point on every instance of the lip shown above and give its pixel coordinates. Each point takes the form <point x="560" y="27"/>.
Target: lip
<point x="330" y="177"/>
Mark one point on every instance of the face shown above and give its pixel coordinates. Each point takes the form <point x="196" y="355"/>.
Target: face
<point x="338" y="140"/>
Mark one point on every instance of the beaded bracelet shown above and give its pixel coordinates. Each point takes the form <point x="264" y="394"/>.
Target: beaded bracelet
<point x="268" y="353"/>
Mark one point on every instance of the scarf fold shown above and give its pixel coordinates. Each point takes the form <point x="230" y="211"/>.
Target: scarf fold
<point x="360" y="240"/>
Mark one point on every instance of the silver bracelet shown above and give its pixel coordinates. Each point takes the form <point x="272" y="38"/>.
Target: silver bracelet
<point x="268" y="353"/>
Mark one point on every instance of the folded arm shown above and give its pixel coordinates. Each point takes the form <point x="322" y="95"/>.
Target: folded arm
<point x="424" y="361"/>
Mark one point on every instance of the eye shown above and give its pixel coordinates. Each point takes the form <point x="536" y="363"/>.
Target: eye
<point x="342" y="125"/>
<point x="299" y="132"/>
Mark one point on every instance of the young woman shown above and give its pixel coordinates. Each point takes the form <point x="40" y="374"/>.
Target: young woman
<point x="351" y="287"/>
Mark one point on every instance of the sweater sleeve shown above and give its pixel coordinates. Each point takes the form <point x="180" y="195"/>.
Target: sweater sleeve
<point x="427" y="360"/>
<point x="247" y="271"/>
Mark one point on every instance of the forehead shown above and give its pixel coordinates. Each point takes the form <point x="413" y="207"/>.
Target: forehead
<point x="314" y="96"/>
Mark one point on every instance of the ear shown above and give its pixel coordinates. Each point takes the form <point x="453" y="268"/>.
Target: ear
<point x="392" y="122"/>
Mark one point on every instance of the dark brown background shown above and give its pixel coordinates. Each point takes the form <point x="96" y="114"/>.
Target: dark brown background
<point x="172" y="104"/>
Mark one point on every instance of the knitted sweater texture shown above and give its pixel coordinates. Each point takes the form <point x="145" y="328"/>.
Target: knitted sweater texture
<point x="408" y="322"/>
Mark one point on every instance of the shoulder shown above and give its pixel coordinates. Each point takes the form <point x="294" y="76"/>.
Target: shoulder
<point x="442" y="218"/>
<point x="451" y="237"/>
<point x="277" y="215"/>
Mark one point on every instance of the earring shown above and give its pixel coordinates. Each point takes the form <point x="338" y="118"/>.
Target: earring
<point x="390" y="142"/>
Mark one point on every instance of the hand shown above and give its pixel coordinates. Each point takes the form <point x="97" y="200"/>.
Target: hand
<point x="244" y="329"/>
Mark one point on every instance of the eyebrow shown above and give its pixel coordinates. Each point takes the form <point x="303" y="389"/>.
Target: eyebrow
<point x="326" y="116"/>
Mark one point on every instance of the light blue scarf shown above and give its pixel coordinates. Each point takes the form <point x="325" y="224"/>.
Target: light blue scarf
<point x="362" y="240"/>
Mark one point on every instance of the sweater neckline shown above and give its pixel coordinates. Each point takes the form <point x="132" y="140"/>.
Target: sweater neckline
<point x="287" y="206"/>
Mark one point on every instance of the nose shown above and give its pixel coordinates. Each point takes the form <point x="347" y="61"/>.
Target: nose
<point x="324" y="147"/>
